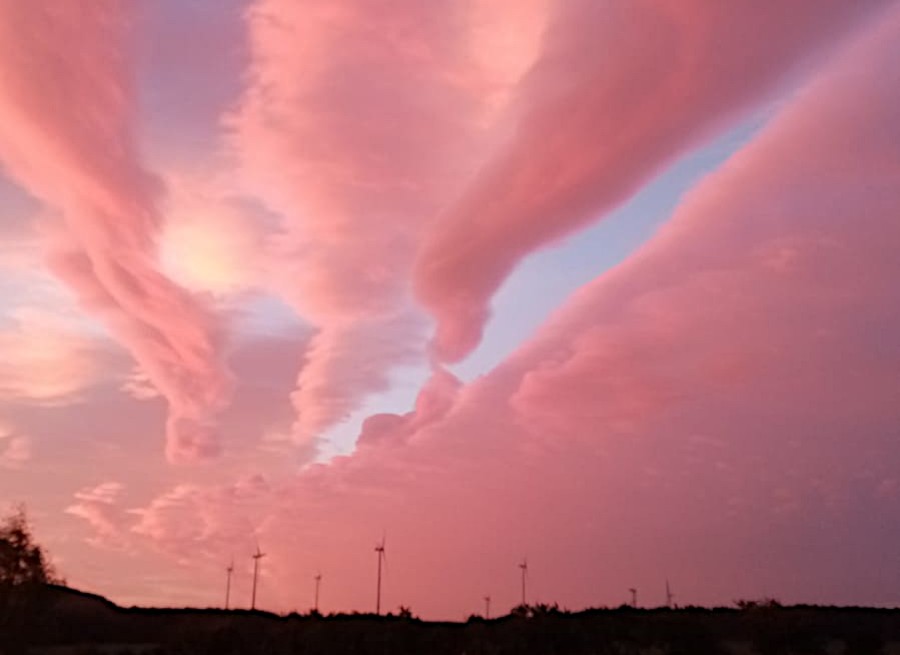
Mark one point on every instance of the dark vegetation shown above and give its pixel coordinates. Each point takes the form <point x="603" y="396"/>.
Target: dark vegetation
<point x="25" y="576"/>
<point x="41" y="616"/>
<point x="83" y="622"/>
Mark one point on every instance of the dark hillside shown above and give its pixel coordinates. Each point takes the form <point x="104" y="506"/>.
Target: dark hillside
<point x="73" y="622"/>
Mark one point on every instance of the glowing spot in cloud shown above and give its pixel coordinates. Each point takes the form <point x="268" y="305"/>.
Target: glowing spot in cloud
<point x="68" y="137"/>
<point x="212" y="246"/>
<point x="504" y="41"/>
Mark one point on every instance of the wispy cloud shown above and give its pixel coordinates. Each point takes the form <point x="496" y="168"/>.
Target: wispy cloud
<point x="15" y="448"/>
<point x="44" y="359"/>
<point x="67" y="135"/>
<point x="99" y="506"/>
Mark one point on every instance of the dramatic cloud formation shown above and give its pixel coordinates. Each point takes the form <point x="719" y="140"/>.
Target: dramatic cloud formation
<point x="618" y="92"/>
<point x="358" y="126"/>
<point x="66" y="135"/>
<point x="719" y="409"/>
<point x="741" y="366"/>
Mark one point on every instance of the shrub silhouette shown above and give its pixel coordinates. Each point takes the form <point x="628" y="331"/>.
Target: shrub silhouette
<point x="25" y="571"/>
<point x="761" y="604"/>
<point x="22" y="561"/>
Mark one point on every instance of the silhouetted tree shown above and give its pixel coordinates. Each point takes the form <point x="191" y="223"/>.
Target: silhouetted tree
<point x="545" y="609"/>
<point x="24" y="573"/>
<point x="761" y="604"/>
<point x="22" y="561"/>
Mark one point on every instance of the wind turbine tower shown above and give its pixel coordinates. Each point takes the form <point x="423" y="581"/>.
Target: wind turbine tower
<point x="524" y="567"/>
<point x="633" y="596"/>
<point x="318" y="582"/>
<point x="228" y="573"/>
<point x="669" y="596"/>
<point x="256" y="557"/>
<point x="379" y="549"/>
<point x="487" y="607"/>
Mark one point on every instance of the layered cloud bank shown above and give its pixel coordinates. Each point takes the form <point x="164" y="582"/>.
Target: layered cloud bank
<point x="389" y="159"/>
<point x="719" y="410"/>
<point x="360" y="123"/>
<point x="67" y="135"/>
<point x="617" y="92"/>
<point x="461" y="137"/>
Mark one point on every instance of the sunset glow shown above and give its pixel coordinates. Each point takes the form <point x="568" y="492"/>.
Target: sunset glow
<point x="610" y="286"/>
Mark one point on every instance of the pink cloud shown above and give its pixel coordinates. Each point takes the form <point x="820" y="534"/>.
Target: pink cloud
<point x="210" y="245"/>
<point x="195" y="523"/>
<point x="359" y="124"/>
<point x="434" y="402"/>
<point x="618" y="92"/>
<point x="66" y="135"/>
<point x="719" y="410"/>
<point x="45" y="360"/>
<point x="189" y="522"/>
<point x="98" y="506"/>
<point x="15" y="448"/>
<point x="344" y="360"/>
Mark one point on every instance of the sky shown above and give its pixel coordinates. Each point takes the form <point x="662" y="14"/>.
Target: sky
<point x="607" y="286"/>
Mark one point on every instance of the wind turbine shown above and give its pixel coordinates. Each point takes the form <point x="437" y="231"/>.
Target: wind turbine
<point x="524" y="567"/>
<point x="379" y="548"/>
<point x="633" y="596"/>
<point x="487" y="607"/>
<point x="669" y="595"/>
<point x="318" y="579"/>
<point x="256" y="557"/>
<point x="228" y="572"/>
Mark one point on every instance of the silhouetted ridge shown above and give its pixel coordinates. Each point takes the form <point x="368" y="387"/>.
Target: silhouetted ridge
<point x="83" y="623"/>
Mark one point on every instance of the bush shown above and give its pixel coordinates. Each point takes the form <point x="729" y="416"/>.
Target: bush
<point x="25" y="571"/>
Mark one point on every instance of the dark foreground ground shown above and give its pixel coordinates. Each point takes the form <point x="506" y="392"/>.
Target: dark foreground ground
<point x="74" y="623"/>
